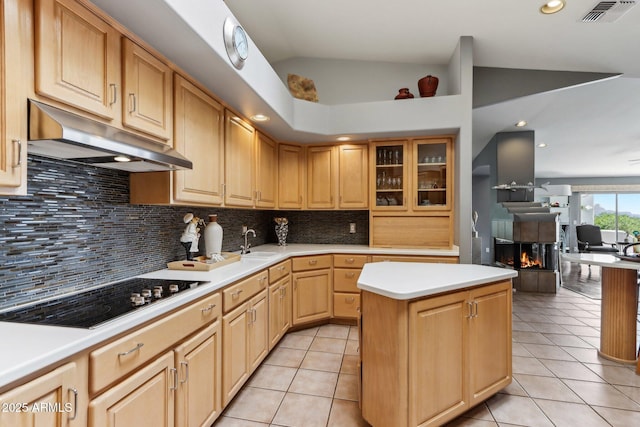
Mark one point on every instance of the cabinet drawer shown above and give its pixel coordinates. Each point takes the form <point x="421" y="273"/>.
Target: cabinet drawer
<point x="311" y="262"/>
<point x="114" y="360"/>
<point x="350" y="261"/>
<point x="278" y="271"/>
<point x="346" y="305"/>
<point x="346" y="279"/>
<point x="235" y="295"/>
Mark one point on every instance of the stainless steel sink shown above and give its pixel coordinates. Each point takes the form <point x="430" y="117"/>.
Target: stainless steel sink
<point x="259" y="255"/>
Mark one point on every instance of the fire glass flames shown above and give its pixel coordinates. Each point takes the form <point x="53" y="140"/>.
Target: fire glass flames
<point x="526" y="262"/>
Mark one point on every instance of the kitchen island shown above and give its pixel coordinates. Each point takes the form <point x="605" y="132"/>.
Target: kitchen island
<point x="435" y="340"/>
<point x="619" y="308"/>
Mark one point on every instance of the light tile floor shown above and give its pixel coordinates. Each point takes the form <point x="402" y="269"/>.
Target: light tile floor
<point x="309" y="379"/>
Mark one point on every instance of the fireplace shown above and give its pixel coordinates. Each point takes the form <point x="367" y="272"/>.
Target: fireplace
<point x="532" y="250"/>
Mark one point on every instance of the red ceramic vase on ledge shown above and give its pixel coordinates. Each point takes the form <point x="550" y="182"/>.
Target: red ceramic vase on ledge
<point x="428" y="86"/>
<point x="404" y="93"/>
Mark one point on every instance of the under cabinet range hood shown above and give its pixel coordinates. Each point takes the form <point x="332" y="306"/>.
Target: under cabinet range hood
<point x="57" y="133"/>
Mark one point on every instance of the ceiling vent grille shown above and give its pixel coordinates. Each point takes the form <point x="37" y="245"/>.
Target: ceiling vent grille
<point x="608" y="11"/>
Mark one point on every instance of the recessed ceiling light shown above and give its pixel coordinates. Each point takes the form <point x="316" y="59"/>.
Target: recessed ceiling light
<point x="121" y="158"/>
<point x="343" y="138"/>
<point x="259" y="118"/>
<point x="521" y="123"/>
<point x="552" y="6"/>
<point x="542" y="145"/>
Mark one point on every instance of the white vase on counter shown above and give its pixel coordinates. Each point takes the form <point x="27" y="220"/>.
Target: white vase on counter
<point x="213" y="237"/>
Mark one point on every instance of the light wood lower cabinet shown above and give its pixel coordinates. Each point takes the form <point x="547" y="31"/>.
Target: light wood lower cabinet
<point x="312" y="299"/>
<point x="199" y="364"/>
<point x="346" y="295"/>
<point x="441" y="354"/>
<point x="147" y="398"/>
<point x="279" y="302"/>
<point x="245" y="343"/>
<point x="415" y="258"/>
<point x="56" y="399"/>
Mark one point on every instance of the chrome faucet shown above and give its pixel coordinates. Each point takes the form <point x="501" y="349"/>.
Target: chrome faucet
<point x="244" y="249"/>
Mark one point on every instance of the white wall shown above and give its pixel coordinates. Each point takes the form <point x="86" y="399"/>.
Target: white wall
<point x="347" y="81"/>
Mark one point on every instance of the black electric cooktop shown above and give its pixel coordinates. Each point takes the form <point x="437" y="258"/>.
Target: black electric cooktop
<point x="94" y="307"/>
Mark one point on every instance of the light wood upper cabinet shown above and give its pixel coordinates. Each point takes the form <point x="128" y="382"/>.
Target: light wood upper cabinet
<point x="321" y="177"/>
<point x="13" y="108"/>
<point x="389" y="174"/>
<point x="266" y="171"/>
<point x="199" y="136"/>
<point x="432" y="174"/>
<point x="147" y="89"/>
<point x="291" y="176"/>
<point x="353" y="180"/>
<point x="29" y="405"/>
<point x="77" y="58"/>
<point x="239" y="150"/>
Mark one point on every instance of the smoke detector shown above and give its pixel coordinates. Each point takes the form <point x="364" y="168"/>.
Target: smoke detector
<point x="608" y="11"/>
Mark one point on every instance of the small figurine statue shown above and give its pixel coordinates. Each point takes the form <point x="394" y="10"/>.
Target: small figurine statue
<point x="474" y="223"/>
<point x="191" y="234"/>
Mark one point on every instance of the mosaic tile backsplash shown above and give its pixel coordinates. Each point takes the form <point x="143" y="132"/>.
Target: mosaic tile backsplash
<point x="76" y="229"/>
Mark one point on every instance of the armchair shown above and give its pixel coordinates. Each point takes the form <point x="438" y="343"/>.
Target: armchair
<point x="590" y="240"/>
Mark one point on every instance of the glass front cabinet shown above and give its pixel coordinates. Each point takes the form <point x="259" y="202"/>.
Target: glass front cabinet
<point x="391" y="174"/>
<point x="431" y="174"/>
<point x="412" y="174"/>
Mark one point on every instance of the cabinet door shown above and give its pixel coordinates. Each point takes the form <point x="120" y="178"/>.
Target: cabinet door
<point x="279" y="310"/>
<point x="199" y="136"/>
<point x="438" y="359"/>
<point x="266" y="172"/>
<point x="258" y="330"/>
<point x="147" y="90"/>
<point x="432" y="174"/>
<point x="239" y="168"/>
<point x="320" y="177"/>
<point x="291" y="167"/>
<point x="199" y="361"/>
<point x="147" y="398"/>
<point x="353" y="180"/>
<point x="13" y="108"/>
<point x="389" y="176"/>
<point x="311" y="296"/>
<point x="489" y="340"/>
<point x="235" y="329"/>
<point x="77" y="57"/>
<point x="49" y="401"/>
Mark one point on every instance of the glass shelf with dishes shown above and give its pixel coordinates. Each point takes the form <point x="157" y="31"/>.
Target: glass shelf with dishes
<point x="390" y="175"/>
<point x="431" y="157"/>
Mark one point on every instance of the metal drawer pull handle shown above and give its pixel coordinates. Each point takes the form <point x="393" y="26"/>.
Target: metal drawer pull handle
<point x="75" y="403"/>
<point x="136" y="348"/>
<point x="114" y="93"/>
<point x="236" y="294"/>
<point x="349" y="260"/>
<point x="350" y="275"/>
<point x="208" y="308"/>
<point x="349" y="300"/>
<point x="17" y="141"/>
<point x="186" y="372"/>
<point x="175" y="379"/>
<point x="132" y="99"/>
<point x="313" y="261"/>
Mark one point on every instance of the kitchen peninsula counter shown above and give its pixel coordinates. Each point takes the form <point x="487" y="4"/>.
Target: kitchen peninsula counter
<point x="435" y="340"/>
<point x="29" y="349"/>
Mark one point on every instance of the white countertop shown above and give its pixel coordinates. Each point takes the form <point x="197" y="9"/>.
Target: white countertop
<point x="28" y="348"/>
<point x="408" y="280"/>
<point x="602" y="260"/>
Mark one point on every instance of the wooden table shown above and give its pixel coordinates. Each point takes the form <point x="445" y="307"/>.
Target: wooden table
<point x="619" y="307"/>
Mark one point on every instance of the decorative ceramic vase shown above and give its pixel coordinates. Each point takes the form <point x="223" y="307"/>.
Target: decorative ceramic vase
<point x="404" y="93"/>
<point x="281" y="233"/>
<point x="212" y="237"/>
<point x="427" y="86"/>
